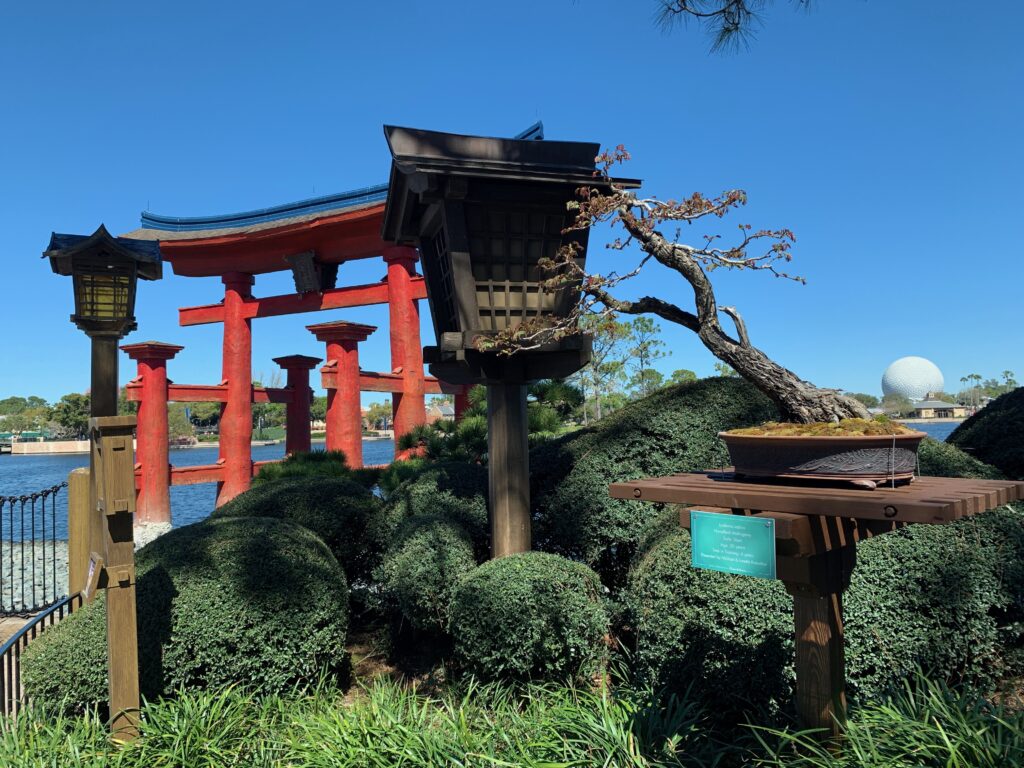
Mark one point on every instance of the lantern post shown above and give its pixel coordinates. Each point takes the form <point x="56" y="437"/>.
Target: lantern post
<point x="104" y="272"/>
<point x="485" y="213"/>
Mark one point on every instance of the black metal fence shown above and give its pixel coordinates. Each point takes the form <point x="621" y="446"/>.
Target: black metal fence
<point x="12" y="691"/>
<point x="33" y="562"/>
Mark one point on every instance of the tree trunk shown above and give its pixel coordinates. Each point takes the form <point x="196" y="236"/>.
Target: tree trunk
<point x="797" y="400"/>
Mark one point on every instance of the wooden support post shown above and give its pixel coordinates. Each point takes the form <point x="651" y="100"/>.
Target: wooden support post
<point x="80" y="541"/>
<point x="816" y="580"/>
<point x="820" y="661"/>
<point x="508" y="469"/>
<point x="113" y="500"/>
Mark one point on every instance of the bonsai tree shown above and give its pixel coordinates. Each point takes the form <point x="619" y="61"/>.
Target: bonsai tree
<point x="654" y="227"/>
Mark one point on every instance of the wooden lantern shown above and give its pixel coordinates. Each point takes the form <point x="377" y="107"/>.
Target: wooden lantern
<point x="484" y="212"/>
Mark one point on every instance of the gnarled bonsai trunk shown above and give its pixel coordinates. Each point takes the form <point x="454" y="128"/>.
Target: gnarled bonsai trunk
<point x="797" y="400"/>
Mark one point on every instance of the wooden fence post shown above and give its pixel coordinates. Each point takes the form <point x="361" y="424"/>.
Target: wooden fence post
<point x="113" y="471"/>
<point x="80" y="542"/>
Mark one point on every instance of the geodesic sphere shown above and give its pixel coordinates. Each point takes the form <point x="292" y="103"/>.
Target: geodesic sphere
<point x="912" y="377"/>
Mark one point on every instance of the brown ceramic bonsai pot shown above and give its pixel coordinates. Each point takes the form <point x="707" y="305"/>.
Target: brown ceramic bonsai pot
<point x="863" y="460"/>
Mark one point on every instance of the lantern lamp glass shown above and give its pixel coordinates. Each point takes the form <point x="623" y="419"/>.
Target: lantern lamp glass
<point x="104" y="291"/>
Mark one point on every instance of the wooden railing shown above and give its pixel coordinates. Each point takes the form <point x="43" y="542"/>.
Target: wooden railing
<point x="12" y="692"/>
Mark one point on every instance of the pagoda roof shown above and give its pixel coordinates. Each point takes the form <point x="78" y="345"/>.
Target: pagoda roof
<point x="159" y="227"/>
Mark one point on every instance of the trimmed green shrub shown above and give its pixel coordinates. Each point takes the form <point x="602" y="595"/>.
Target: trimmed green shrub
<point x="993" y="434"/>
<point x="253" y="602"/>
<point x="530" y="616"/>
<point x="302" y="465"/>
<point x="672" y="430"/>
<point x="944" y="460"/>
<point x="937" y="597"/>
<point x="947" y="599"/>
<point x="450" y="490"/>
<point x="397" y="472"/>
<point x="422" y="568"/>
<point x="726" y="639"/>
<point x="336" y="509"/>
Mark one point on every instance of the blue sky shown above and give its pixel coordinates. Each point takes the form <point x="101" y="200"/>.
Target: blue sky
<point x="885" y="134"/>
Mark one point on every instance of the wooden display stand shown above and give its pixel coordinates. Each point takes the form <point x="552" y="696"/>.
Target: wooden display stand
<point x="816" y="534"/>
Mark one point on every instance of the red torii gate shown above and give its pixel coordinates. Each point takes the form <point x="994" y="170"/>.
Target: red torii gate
<point x="311" y="238"/>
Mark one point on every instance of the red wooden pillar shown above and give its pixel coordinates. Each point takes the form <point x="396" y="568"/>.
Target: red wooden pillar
<point x="461" y="403"/>
<point x="236" y="413"/>
<point x="297" y="430"/>
<point x="408" y="406"/>
<point x="154" y="501"/>
<point x="340" y="377"/>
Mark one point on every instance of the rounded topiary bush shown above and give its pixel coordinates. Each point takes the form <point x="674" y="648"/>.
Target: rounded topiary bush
<point x="253" y="602"/>
<point x="993" y="434"/>
<point x="944" y="460"/>
<point x="948" y="599"/>
<point x="726" y="639"/>
<point x="673" y="430"/>
<point x="449" y="490"/>
<point x="336" y="509"/>
<point x="422" y="569"/>
<point x="530" y="616"/>
<point x="943" y="598"/>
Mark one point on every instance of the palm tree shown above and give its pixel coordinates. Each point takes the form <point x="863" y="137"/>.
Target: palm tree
<point x="976" y="377"/>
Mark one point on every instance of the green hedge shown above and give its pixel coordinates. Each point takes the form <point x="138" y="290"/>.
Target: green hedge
<point x="255" y="602"/>
<point x="673" y="430"/>
<point x="303" y="465"/>
<point x="451" y="490"/>
<point x="337" y="509"/>
<point x="530" y="616"/>
<point x="945" y="460"/>
<point x="948" y="599"/>
<point x="994" y="433"/>
<point x="422" y="568"/>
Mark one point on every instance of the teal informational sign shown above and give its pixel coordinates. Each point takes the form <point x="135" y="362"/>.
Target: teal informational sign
<point x="733" y="543"/>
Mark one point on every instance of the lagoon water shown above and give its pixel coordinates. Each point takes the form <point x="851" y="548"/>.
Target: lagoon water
<point x="189" y="503"/>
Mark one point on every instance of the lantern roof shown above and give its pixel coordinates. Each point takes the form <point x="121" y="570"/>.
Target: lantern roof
<point x="63" y="248"/>
<point x="418" y="154"/>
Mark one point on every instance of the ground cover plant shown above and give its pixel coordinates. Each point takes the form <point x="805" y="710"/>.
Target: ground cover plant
<point x="382" y="724"/>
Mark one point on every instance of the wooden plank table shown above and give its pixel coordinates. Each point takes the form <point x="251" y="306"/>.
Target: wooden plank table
<point x="816" y="531"/>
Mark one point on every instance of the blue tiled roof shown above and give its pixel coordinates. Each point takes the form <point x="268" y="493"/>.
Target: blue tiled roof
<point x="351" y="199"/>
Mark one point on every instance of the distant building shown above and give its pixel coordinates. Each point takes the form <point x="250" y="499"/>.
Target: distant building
<point x="440" y="411"/>
<point x="937" y="409"/>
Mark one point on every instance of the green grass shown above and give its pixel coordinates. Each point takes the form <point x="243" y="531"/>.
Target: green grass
<point x="385" y="724"/>
<point x="924" y="726"/>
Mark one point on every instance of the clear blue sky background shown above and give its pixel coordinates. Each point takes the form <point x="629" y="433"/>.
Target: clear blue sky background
<point x="886" y="134"/>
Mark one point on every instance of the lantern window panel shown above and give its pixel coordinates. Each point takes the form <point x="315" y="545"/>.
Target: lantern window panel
<point x="103" y="290"/>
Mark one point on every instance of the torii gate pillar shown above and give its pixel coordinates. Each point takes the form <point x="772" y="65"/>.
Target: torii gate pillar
<point x="408" y="406"/>
<point x="340" y="377"/>
<point x="153" y="505"/>
<point x="297" y="429"/>
<point x="236" y="414"/>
